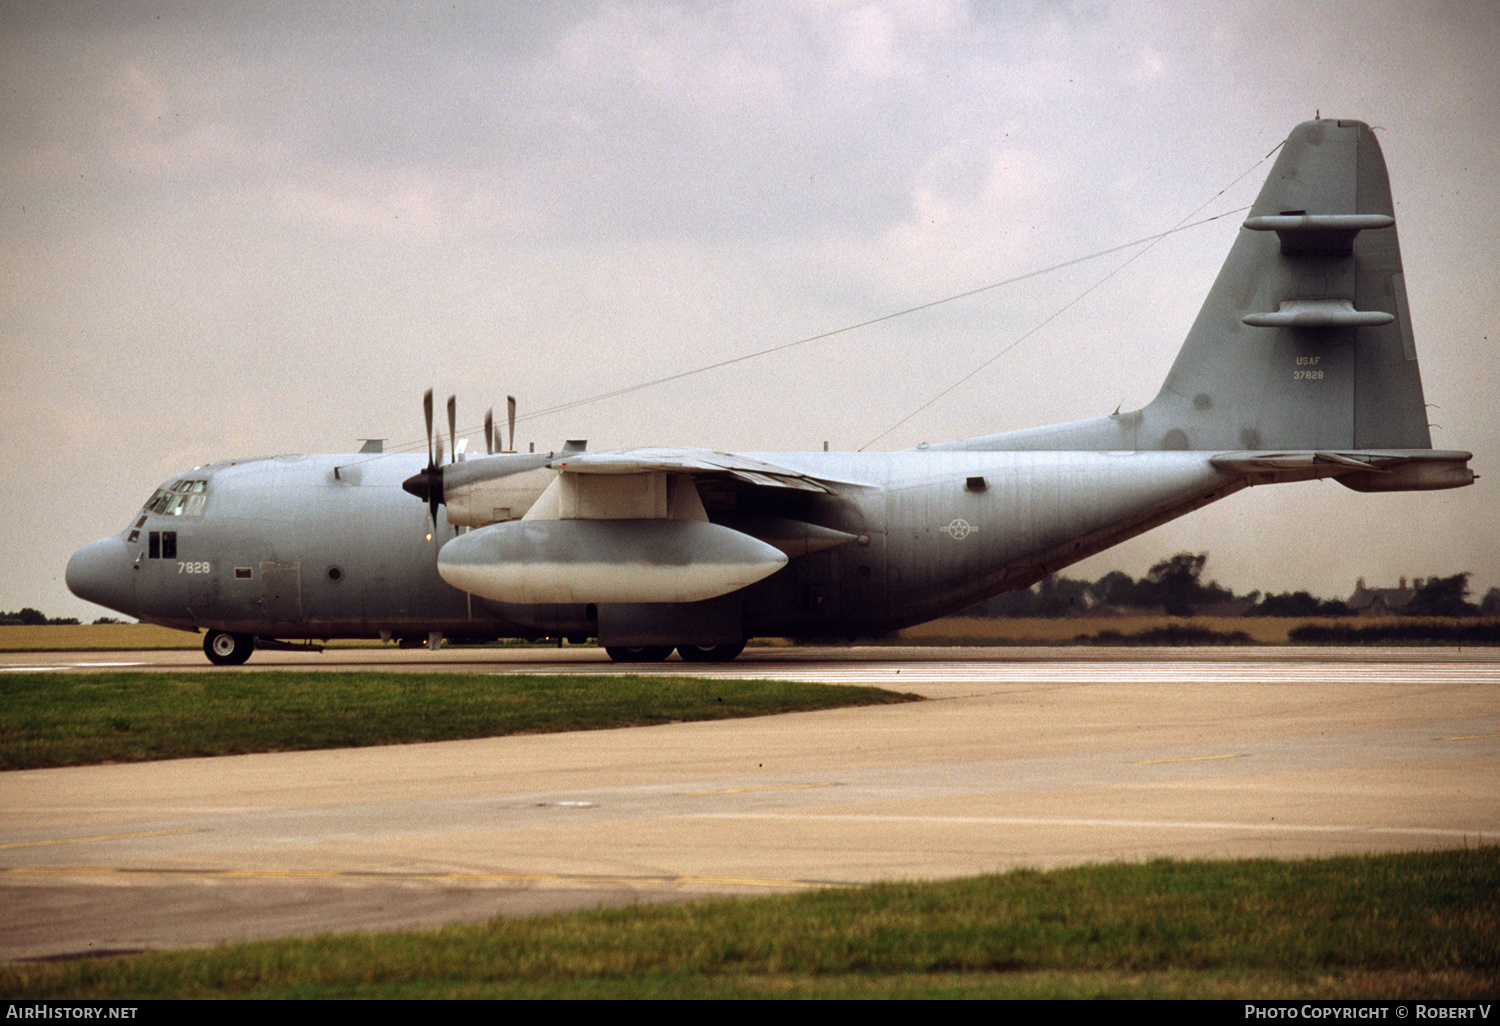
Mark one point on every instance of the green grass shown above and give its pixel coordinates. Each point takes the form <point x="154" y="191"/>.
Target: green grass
<point x="1406" y="925"/>
<point x="67" y="719"/>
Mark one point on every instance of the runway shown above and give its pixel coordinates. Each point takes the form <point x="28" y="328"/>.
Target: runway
<point x="1037" y="757"/>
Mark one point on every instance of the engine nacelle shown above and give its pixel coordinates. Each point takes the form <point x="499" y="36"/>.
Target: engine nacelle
<point x="572" y="561"/>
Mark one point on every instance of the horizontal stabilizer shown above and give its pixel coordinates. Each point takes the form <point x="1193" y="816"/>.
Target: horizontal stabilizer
<point x="1363" y="471"/>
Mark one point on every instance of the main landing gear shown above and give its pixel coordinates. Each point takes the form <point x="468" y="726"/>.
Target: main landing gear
<point x="689" y="653"/>
<point x="225" y="649"/>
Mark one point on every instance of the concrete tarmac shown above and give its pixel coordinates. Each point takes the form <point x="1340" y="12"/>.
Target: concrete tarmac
<point x="1019" y="757"/>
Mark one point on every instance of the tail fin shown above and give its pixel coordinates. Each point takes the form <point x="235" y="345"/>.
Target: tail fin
<point x="1305" y="339"/>
<point x="1304" y="342"/>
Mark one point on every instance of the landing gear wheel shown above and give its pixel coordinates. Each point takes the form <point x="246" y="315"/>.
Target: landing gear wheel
<point x="642" y="654"/>
<point x="709" y="653"/>
<point x="225" y="649"/>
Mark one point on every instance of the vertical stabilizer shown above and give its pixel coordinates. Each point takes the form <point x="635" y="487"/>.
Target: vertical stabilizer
<point x="1305" y="340"/>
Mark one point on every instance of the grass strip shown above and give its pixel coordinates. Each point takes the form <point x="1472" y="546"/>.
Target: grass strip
<point x="1389" y="926"/>
<point x="67" y="719"/>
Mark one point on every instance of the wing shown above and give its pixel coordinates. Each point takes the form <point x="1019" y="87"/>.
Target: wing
<point x="630" y="528"/>
<point x="689" y="461"/>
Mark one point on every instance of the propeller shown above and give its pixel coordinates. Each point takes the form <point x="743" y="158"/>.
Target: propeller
<point x="427" y="483"/>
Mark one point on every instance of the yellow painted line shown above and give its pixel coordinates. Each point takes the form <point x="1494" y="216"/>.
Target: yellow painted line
<point x="375" y="877"/>
<point x="1191" y="758"/>
<point x="749" y="790"/>
<point x="1467" y="737"/>
<point x="98" y="837"/>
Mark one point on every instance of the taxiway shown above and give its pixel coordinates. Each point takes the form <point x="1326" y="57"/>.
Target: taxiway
<point x="1018" y="757"/>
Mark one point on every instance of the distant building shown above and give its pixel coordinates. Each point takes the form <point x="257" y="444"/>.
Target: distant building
<point x="1382" y="601"/>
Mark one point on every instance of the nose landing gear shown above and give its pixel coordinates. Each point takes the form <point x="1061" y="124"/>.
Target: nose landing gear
<point x="225" y="649"/>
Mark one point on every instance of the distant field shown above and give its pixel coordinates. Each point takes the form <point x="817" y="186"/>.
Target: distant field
<point x="94" y="636"/>
<point x="116" y="637"/>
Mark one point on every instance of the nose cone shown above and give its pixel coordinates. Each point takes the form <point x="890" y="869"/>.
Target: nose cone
<point x="103" y="573"/>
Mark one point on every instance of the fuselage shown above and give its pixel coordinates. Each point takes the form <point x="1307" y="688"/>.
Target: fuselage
<point x="329" y="546"/>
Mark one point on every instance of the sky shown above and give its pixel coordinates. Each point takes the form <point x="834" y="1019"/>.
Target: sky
<point x="232" y="229"/>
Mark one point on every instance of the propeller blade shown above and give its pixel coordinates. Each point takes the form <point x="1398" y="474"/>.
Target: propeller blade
<point x="435" y="484"/>
<point x="427" y="412"/>
<point x="452" y="426"/>
<point x="489" y="431"/>
<point x="510" y="413"/>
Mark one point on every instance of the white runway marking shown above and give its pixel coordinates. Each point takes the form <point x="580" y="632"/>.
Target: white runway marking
<point x="66" y="666"/>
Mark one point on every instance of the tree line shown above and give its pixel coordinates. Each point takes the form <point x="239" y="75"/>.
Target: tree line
<point x="28" y="617"/>
<point x="1175" y="586"/>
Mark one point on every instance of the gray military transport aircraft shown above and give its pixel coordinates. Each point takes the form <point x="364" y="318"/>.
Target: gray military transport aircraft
<point x="1301" y="365"/>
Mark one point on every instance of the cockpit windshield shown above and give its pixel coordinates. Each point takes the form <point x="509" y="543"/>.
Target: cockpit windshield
<point x="179" y="499"/>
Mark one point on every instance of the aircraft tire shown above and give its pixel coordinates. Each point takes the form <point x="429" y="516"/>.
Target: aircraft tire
<point x="642" y="654"/>
<point x="709" y="653"/>
<point x="225" y="649"/>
